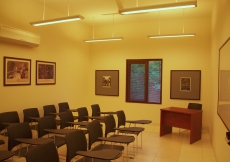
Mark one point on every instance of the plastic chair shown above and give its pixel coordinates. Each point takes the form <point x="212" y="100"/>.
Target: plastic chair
<point x="77" y="145"/>
<point x="50" y="110"/>
<point x="8" y="118"/>
<point x="48" y="122"/>
<point x="43" y="153"/>
<point x="31" y="112"/>
<point x="195" y="106"/>
<point x="64" y="106"/>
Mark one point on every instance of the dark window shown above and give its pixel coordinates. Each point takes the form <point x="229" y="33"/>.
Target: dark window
<point x="144" y="81"/>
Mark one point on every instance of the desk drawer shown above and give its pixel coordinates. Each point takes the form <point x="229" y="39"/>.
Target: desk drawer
<point x="179" y="120"/>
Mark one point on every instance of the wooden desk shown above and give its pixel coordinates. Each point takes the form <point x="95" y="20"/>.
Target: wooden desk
<point x="181" y="118"/>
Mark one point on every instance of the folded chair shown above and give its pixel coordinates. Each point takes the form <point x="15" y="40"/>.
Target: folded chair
<point x="77" y="145"/>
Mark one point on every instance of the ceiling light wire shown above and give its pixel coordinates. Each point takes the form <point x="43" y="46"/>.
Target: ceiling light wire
<point x="44" y="8"/>
<point x="183" y="21"/>
<point x="137" y="3"/>
<point x="113" y="27"/>
<point x="68" y="7"/>
<point x="93" y="27"/>
<point x="159" y="24"/>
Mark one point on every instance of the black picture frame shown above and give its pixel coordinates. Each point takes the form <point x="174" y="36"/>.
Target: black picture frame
<point x="107" y="82"/>
<point x="185" y="84"/>
<point x="45" y="72"/>
<point x="17" y="71"/>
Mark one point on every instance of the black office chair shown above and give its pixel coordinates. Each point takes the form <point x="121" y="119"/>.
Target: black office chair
<point x="77" y="145"/>
<point x="48" y="122"/>
<point x="43" y="153"/>
<point x="48" y="109"/>
<point x="8" y="118"/>
<point x="128" y="130"/>
<point x="95" y="131"/>
<point x="19" y="130"/>
<point x="67" y="121"/>
<point x="195" y="106"/>
<point x="4" y="154"/>
<point x="31" y="112"/>
<point x="64" y="106"/>
<point x="96" y="110"/>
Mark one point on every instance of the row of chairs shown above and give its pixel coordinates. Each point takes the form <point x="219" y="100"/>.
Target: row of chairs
<point x="47" y="121"/>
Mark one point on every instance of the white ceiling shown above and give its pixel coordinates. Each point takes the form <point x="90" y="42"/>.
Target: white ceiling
<point x="101" y="12"/>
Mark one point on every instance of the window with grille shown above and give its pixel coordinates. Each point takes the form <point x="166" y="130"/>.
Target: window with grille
<point x="144" y="80"/>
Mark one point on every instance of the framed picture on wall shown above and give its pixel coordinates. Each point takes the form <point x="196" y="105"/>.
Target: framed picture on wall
<point x="17" y="71"/>
<point x="107" y="82"/>
<point x="45" y="72"/>
<point x="185" y="84"/>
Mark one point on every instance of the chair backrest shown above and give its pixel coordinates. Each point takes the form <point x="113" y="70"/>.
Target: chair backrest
<point x="49" y="109"/>
<point x="9" y="117"/>
<point x="82" y="113"/>
<point x="110" y="124"/>
<point x="95" y="130"/>
<point x="30" y="112"/>
<point x="121" y="118"/>
<point x="95" y="110"/>
<point x="46" y="122"/>
<point x="63" y="106"/>
<point x="195" y="106"/>
<point x="43" y="153"/>
<point x="18" y="130"/>
<point x="66" y="116"/>
<point x="75" y="141"/>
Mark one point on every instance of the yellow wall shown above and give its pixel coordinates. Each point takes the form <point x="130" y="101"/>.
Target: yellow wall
<point x="178" y="54"/>
<point x="60" y="43"/>
<point x="220" y="32"/>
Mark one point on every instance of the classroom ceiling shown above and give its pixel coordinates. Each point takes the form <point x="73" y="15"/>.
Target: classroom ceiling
<point x="105" y="12"/>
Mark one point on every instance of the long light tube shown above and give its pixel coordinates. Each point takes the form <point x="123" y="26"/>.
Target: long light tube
<point x="104" y="39"/>
<point x="159" y="7"/>
<point x="172" y="35"/>
<point x="57" y="20"/>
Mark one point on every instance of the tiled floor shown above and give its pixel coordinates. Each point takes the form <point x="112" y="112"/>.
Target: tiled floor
<point x="173" y="147"/>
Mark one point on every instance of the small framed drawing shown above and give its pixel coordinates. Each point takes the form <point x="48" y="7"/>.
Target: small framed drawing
<point x="45" y="72"/>
<point x="185" y="84"/>
<point x="17" y="71"/>
<point x="107" y="82"/>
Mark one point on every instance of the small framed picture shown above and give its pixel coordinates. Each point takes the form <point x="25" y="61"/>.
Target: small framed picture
<point x="45" y="72"/>
<point x="107" y="82"/>
<point x="17" y="71"/>
<point x="185" y="84"/>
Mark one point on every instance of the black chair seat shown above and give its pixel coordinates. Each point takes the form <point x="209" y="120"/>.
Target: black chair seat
<point x="6" y="155"/>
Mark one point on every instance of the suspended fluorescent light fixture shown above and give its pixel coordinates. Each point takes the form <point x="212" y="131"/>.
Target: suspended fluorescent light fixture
<point x="159" y="7"/>
<point x="104" y="39"/>
<point x="56" y="20"/>
<point x="172" y="35"/>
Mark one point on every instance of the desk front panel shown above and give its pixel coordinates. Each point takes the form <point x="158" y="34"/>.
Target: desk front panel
<point x="174" y="119"/>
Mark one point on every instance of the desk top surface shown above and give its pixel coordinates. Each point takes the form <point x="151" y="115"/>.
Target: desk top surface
<point x="181" y="110"/>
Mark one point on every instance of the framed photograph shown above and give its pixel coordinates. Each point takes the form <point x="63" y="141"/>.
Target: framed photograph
<point x="17" y="71"/>
<point x="45" y="72"/>
<point x="107" y="82"/>
<point x="185" y="84"/>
